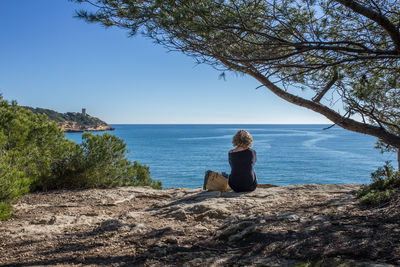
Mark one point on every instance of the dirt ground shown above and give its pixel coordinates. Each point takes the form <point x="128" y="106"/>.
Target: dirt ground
<point x="272" y="226"/>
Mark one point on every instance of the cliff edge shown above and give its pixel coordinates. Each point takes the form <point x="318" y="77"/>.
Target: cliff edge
<point x="74" y="121"/>
<point x="70" y="126"/>
<point x="139" y="226"/>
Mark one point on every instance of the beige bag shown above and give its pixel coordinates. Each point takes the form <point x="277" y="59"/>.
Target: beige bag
<point x="214" y="181"/>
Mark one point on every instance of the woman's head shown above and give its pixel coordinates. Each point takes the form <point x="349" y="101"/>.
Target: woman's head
<point x="242" y="139"/>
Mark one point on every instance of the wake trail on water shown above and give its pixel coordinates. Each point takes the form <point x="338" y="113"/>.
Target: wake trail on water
<point x="312" y="144"/>
<point x="309" y="144"/>
<point x="205" y="137"/>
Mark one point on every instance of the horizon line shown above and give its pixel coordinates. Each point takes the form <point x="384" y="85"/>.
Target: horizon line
<point x="221" y="124"/>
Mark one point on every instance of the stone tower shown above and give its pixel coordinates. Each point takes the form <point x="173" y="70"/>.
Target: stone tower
<point x="84" y="111"/>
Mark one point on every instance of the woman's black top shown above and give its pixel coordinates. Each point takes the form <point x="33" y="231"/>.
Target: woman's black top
<point x="242" y="177"/>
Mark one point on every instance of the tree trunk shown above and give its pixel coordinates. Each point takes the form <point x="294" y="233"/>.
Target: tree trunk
<point x="335" y="117"/>
<point x="346" y="123"/>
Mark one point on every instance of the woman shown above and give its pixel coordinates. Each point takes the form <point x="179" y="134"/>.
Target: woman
<point x="242" y="160"/>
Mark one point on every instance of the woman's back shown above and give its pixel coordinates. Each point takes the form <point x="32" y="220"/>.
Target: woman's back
<point x="242" y="177"/>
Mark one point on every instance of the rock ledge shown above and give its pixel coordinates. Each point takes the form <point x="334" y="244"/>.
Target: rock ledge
<point x="139" y="226"/>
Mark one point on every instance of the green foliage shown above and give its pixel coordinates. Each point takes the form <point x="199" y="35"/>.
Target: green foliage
<point x="5" y="210"/>
<point x="51" y="114"/>
<point x="80" y="119"/>
<point x="99" y="162"/>
<point x="29" y="144"/>
<point x="344" y="52"/>
<point x="385" y="184"/>
<point x="77" y="117"/>
<point x="142" y="177"/>
<point x="105" y="163"/>
<point x="35" y="155"/>
<point x="64" y="167"/>
<point x="307" y="264"/>
<point x="13" y="184"/>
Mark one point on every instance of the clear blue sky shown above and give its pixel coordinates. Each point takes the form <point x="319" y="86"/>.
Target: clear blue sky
<point x="50" y="59"/>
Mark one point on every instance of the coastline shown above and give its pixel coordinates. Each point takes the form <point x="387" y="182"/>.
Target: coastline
<point x="73" y="127"/>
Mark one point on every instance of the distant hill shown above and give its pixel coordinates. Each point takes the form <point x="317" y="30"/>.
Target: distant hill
<point x="73" y="121"/>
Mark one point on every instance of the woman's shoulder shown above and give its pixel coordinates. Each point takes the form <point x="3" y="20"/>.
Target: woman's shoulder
<point x="235" y="150"/>
<point x="241" y="150"/>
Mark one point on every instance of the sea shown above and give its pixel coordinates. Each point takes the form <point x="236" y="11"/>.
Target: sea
<point x="179" y="155"/>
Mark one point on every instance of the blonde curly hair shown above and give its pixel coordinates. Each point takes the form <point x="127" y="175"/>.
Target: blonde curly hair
<point x="242" y="139"/>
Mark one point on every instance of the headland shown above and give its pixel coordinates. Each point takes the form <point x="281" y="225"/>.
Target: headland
<point x="74" y="121"/>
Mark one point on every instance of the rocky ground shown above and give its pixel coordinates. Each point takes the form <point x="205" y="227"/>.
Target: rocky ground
<point x="273" y="226"/>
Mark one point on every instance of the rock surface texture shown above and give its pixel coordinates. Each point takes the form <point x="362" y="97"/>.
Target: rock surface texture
<point x="138" y="226"/>
<point x="69" y="126"/>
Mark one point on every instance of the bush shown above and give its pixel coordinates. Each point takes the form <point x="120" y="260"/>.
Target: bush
<point x="13" y="185"/>
<point x="35" y="155"/>
<point x="65" y="169"/>
<point x="105" y="163"/>
<point x="27" y="146"/>
<point x="5" y="210"/>
<point x="99" y="162"/>
<point x="385" y="184"/>
<point x="142" y="177"/>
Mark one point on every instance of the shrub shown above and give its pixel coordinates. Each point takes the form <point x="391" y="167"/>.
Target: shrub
<point x="142" y="177"/>
<point x="27" y="145"/>
<point x="5" y="210"/>
<point x="99" y="162"/>
<point x="385" y="184"/>
<point x="105" y="163"/>
<point x="35" y="155"/>
<point x="13" y="185"/>
<point x="302" y="264"/>
<point x="66" y="168"/>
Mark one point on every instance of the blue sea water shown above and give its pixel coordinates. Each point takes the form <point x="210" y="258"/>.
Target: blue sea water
<point x="179" y="155"/>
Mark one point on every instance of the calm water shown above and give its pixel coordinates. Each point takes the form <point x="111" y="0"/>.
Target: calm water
<point x="179" y="155"/>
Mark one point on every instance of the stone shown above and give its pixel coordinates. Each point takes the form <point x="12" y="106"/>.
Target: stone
<point x="242" y="234"/>
<point x="139" y="228"/>
<point x="290" y="216"/>
<point x="213" y="214"/>
<point x="233" y="229"/>
<point x="178" y="215"/>
<point x="110" y="225"/>
<point x="319" y="217"/>
<point x="171" y="240"/>
<point x="198" y="209"/>
<point x="48" y="220"/>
